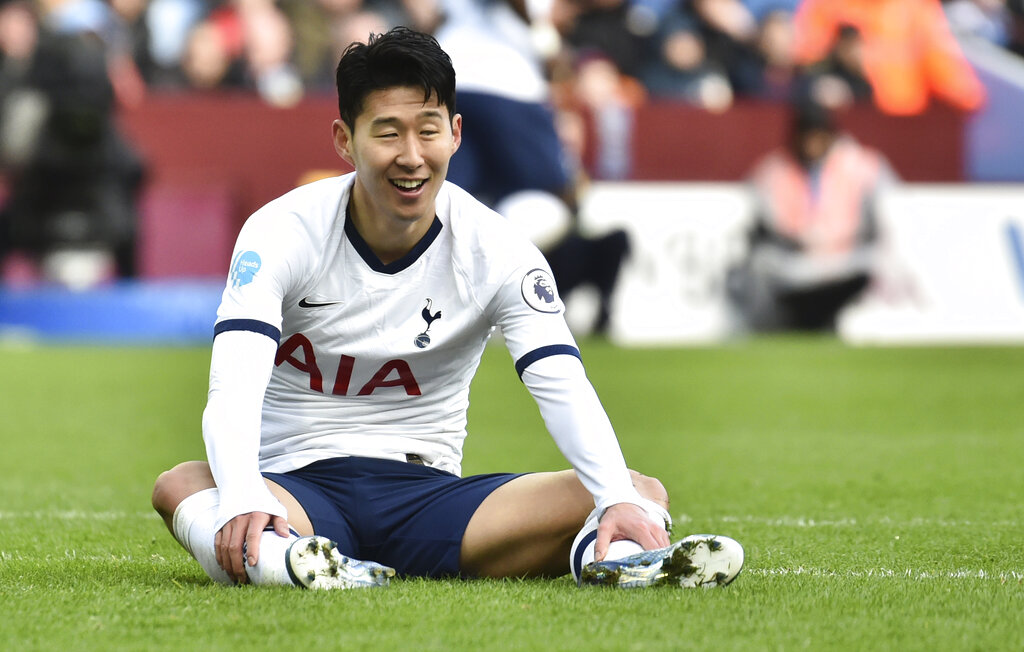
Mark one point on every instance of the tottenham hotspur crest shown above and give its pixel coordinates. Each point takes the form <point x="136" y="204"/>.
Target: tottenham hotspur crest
<point x="423" y="340"/>
<point x="539" y="291"/>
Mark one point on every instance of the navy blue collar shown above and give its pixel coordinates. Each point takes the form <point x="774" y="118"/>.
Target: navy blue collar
<point x="405" y="261"/>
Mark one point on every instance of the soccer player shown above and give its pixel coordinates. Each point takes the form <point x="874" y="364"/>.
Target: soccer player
<point x="354" y="317"/>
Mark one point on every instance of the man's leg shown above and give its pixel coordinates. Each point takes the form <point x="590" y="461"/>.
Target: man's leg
<point x="526" y="526"/>
<point x="187" y="499"/>
<point x="189" y="478"/>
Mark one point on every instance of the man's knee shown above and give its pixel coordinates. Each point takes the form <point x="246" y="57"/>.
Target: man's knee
<point x="650" y="488"/>
<point x="173" y="486"/>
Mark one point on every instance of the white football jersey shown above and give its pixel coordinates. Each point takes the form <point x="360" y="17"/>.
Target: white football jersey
<point x="376" y="360"/>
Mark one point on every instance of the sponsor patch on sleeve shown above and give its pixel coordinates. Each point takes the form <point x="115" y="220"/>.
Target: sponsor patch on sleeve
<point x="539" y="291"/>
<point x="244" y="268"/>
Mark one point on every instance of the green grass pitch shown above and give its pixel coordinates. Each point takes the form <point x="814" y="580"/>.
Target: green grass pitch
<point x="877" y="492"/>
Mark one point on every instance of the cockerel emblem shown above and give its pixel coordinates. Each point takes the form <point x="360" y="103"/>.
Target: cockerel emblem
<point x="423" y="339"/>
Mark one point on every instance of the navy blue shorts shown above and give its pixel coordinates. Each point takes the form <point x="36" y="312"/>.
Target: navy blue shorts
<point x="507" y="146"/>
<point x="407" y="516"/>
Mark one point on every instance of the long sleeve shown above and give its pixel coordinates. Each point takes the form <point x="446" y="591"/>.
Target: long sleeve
<point x="239" y="372"/>
<point x="581" y="429"/>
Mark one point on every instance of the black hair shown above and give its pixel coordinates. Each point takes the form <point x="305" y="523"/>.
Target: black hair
<point x="400" y="57"/>
<point x="809" y="115"/>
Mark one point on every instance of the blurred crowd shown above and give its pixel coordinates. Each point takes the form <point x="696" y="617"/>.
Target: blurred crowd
<point x="707" y="52"/>
<point x="67" y="65"/>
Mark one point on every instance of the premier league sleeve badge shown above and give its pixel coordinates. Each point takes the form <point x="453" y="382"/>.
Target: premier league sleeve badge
<point x="539" y="291"/>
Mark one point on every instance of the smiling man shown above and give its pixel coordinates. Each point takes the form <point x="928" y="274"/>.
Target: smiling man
<point x="354" y="318"/>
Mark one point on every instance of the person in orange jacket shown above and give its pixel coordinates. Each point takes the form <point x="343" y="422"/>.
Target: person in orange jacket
<point x="910" y="53"/>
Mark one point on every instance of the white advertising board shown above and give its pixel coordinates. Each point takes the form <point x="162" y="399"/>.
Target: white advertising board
<point x="683" y="238"/>
<point x="952" y="267"/>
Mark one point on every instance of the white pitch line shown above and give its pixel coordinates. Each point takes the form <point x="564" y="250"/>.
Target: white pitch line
<point x="890" y="573"/>
<point x="811" y="522"/>
<point x="76" y="515"/>
<point x="73" y="555"/>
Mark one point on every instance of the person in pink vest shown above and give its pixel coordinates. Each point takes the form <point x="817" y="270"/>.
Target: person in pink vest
<point x="814" y="231"/>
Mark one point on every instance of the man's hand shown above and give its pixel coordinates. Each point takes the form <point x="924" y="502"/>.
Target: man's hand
<point x="628" y="521"/>
<point x="244" y="529"/>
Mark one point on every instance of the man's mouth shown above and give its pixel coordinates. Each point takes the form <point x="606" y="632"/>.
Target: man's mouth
<point x="408" y="184"/>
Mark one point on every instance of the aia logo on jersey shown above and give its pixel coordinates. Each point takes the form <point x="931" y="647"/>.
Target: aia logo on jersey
<point x="539" y="291"/>
<point x="298" y="352"/>
<point x="423" y="340"/>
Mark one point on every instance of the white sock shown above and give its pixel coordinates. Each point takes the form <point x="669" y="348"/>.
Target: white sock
<point x="194" y="521"/>
<point x="582" y="551"/>
<point x="270" y="568"/>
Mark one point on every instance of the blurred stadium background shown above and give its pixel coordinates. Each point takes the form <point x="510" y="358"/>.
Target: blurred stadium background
<point x="876" y="490"/>
<point x="187" y="115"/>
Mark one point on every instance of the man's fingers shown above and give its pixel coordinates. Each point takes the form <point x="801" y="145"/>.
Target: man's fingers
<point x="228" y="546"/>
<point x="604" y="538"/>
<point x="662" y="536"/>
<point x="218" y="550"/>
<point x="235" y="555"/>
<point x="253" y="534"/>
<point x="281" y="526"/>
<point x="650" y="540"/>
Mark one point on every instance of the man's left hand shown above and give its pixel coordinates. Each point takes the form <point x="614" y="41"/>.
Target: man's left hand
<point x="628" y="521"/>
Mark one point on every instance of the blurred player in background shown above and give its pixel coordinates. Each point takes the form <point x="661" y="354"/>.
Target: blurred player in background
<point x="512" y="157"/>
<point x="354" y="318"/>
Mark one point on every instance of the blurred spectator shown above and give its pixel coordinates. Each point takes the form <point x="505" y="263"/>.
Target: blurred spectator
<point x="728" y="29"/>
<point x="910" y="55"/>
<point x="610" y="99"/>
<point x="267" y="43"/>
<point x="322" y="30"/>
<point x="984" y="19"/>
<point x="73" y="178"/>
<point x="840" y="79"/>
<point x="769" y="69"/>
<point x="1016" y="29"/>
<point x="19" y="34"/>
<point x="244" y="44"/>
<point x="813" y="242"/>
<point x="761" y="8"/>
<point x="129" y="63"/>
<point x="604" y="26"/>
<point x="169" y="23"/>
<point x="314" y="54"/>
<point x="357" y="26"/>
<point x="680" y="69"/>
<point x="208" y="62"/>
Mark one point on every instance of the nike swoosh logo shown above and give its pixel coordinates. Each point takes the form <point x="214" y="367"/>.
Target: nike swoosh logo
<point x="306" y="303"/>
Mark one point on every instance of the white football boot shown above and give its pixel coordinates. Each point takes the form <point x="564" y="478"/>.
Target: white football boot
<point x="315" y="563"/>
<point x="698" y="560"/>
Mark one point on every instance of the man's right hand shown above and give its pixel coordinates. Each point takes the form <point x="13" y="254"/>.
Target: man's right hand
<point x="245" y="531"/>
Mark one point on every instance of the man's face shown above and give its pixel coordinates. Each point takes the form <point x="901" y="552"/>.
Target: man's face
<point x="400" y="148"/>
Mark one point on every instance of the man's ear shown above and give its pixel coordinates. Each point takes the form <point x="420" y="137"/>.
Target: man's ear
<point x="457" y="131"/>
<point x="343" y="141"/>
